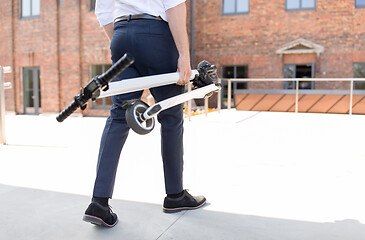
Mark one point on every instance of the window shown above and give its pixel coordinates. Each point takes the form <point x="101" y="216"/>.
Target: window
<point x="236" y="72"/>
<point x="30" y="8"/>
<point x="300" y="4"/>
<point x="359" y="72"/>
<point x="233" y="72"/>
<point x="235" y="6"/>
<point x="101" y="103"/>
<point x="92" y="5"/>
<point x="360" y="3"/>
<point x="299" y="71"/>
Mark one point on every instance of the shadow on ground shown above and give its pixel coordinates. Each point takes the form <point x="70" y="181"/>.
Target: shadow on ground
<point x="37" y="214"/>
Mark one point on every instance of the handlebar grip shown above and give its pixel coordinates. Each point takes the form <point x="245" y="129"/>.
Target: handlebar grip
<point x="67" y="111"/>
<point x="95" y="85"/>
<point x="117" y="68"/>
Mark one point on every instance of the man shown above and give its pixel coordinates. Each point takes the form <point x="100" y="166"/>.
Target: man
<point x="154" y="32"/>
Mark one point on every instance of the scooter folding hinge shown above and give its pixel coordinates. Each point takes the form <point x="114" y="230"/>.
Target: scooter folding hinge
<point x="105" y="88"/>
<point x="127" y="103"/>
<point x="83" y="107"/>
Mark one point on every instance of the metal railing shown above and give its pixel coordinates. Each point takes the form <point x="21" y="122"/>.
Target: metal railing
<point x="297" y="90"/>
<point x="3" y="85"/>
<point x="206" y="102"/>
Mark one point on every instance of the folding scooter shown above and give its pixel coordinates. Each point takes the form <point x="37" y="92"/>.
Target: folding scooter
<point x="140" y="116"/>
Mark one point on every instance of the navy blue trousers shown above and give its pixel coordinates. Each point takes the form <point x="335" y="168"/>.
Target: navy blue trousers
<point x="152" y="45"/>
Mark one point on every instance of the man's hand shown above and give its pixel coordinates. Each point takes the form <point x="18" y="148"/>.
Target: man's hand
<point x="183" y="66"/>
<point x="176" y="17"/>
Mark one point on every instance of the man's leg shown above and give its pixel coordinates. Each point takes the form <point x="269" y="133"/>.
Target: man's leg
<point x="172" y="150"/>
<point x="113" y="138"/>
<point x="172" y="130"/>
<point x="158" y="54"/>
<point x="112" y="141"/>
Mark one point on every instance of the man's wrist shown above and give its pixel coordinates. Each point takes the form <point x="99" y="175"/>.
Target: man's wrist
<point x="184" y="54"/>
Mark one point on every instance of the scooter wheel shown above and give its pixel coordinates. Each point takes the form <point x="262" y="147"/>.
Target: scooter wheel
<point x="135" y="120"/>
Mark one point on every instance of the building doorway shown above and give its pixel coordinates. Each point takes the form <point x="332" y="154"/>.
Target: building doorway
<point x="299" y="71"/>
<point x="31" y="90"/>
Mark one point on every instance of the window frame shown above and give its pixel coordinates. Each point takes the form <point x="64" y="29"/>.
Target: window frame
<point x="357" y="5"/>
<point x="355" y="82"/>
<point x="31" y="10"/>
<point x="92" y="5"/>
<point x="235" y="7"/>
<point x="286" y="83"/>
<point x="104" y="67"/>
<point x="233" y="84"/>
<point x="244" y="66"/>
<point x="300" y="8"/>
<point x="36" y="89"/>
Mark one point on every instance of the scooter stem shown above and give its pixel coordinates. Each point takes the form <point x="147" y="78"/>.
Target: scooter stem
<point x="141" y="83"/>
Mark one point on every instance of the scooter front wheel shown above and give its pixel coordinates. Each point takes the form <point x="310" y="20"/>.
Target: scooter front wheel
<point x="135" y="120"/>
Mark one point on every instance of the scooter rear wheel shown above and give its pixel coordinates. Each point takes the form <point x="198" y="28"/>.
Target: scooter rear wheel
<point x="134" y="118"/>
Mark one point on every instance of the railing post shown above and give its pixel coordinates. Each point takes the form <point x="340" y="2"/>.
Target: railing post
<point x="189" y="103"/>
<point x="206" y="102"/>
<point x="229" y="94"/>
<point x="2" y="107"/>
<point x="296" y="95"/>
<point x="351" y="95"/>
<point x="219" y="104"/>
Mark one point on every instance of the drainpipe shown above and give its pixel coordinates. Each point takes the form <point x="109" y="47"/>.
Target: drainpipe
<point x="13" y="55"/>
<point x="192" y="33"/>
<point x="80" y="44"/>
<point x="58" y="54"/>
<point x="191" y="51"/>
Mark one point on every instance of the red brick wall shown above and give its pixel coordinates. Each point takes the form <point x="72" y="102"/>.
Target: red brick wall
<point x="69" y="51"/>
<point x="252" y="39"/>
<point x="35" y="44"/>
<point x="6" y="49"/>
<point x="95" y="49"/>
<point x="62" y="43"/>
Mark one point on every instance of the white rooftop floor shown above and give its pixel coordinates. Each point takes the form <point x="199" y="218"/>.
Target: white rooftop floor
<point x="265" y="175"/>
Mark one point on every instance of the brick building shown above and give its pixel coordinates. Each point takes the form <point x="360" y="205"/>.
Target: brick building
<point x="55" y="47"/>
<point x="282" y="39"/>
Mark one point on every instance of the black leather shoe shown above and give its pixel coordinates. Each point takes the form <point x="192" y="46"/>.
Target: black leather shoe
<point x="100" y="215"/>
<point x="185" y="202"/>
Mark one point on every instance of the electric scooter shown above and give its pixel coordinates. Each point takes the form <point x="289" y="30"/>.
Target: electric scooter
<point x="139" y="115"/>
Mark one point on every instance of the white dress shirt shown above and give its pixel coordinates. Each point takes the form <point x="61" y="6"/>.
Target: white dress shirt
<point x="107" y="10"/>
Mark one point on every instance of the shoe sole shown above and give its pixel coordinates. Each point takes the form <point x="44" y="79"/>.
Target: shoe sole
<point x="174" y="210"/>
<point x="97" y="221"/>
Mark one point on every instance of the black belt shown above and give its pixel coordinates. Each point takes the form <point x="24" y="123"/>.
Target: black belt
<point x="136" y="17"/>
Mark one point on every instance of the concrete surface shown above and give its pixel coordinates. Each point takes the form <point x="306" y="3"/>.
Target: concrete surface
<point x="266" y="176"/>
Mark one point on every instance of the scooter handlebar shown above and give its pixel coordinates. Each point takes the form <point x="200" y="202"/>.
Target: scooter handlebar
<point x="68" y="111"/>
<point x="117" y="68"/>
<point x="93" y="87"/>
